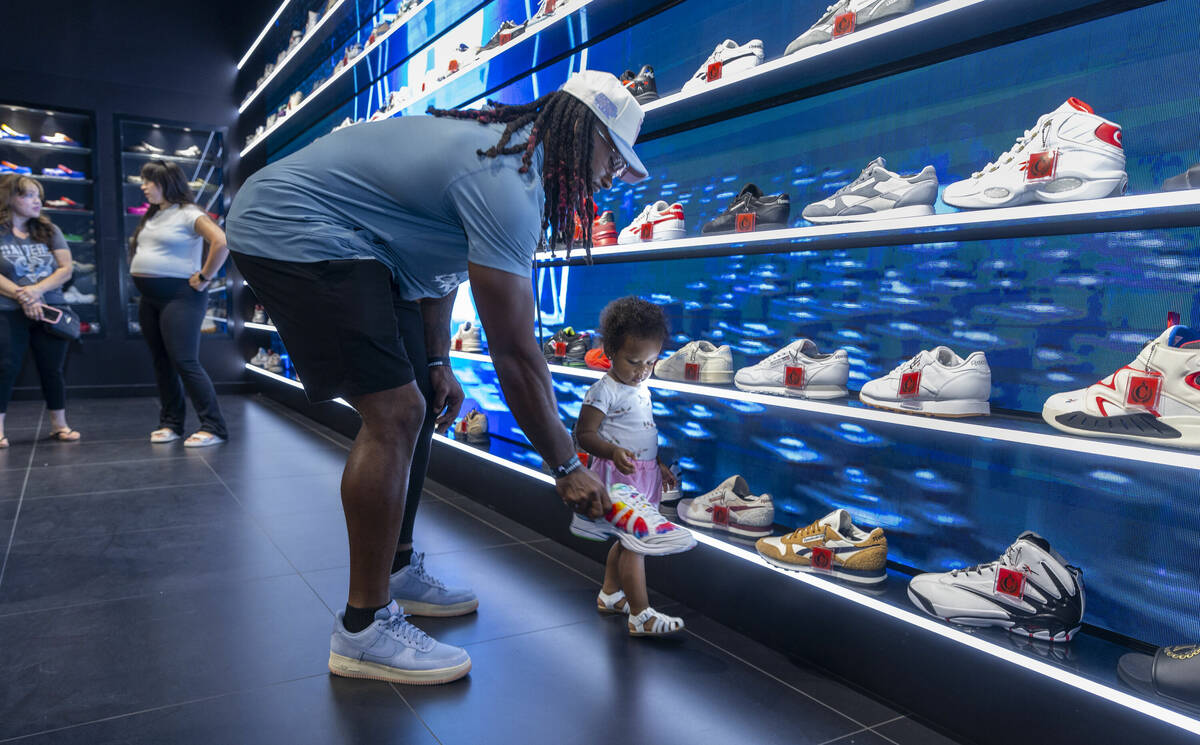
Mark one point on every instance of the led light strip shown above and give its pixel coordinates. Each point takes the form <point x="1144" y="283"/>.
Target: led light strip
<point x="309" y="34"/>
<point x="953" y="426"/>
<point x="261" y="34"/>
<point x="941" y="9"/>
<point x="923" y="622"/>
<point x="260" y="326"/>
<point x="926" y="229"/>
<point x="396" y="26"/>
<point x="216" y="318"/>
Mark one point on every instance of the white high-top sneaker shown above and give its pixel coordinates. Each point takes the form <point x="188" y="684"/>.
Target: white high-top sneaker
<point x="799" y="369"/>
<point x="658" y="222"/>
<point x="1070" y="154"/>
<point x="734" y="59"/>
<point x="698" y="362"/>
<point x="1030" y="590"/>
<point x="936" y="382"/>
<point x="1155" y="398"/>
<point x="732" y="508"/>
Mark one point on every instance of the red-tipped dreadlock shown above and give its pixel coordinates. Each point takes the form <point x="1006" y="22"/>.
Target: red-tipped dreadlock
<point x="563" y="125"/>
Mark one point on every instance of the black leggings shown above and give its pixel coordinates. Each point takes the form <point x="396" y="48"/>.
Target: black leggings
<point x="17" y="333"/>
<point x="171" y="314"/>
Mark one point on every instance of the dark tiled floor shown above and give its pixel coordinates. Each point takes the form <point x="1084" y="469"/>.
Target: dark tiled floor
<point x="150" y="594"/>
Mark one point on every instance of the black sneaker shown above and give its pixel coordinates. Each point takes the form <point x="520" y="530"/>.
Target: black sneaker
<point x="770" y="212"/>
<point x="506" y="33"/>
<point x="567" y="348"/>
<point x="641" y="85"/>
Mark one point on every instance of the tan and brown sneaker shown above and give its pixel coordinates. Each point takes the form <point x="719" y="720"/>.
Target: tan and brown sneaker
<point x="832" y="546"/>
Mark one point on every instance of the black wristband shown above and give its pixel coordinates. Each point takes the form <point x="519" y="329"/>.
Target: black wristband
<point x="437" y="362"/>
<point x="572" y="464"/>
<point x="202" y="277"/>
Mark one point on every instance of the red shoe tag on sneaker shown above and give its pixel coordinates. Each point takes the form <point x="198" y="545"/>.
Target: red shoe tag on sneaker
<point x="560" y="349"/>
<point x="1042" y="166"/>
<point x="505" y="37"/>
<point x="548" y="8"/>
<point x="691" y="371"/>
<point x="793" y="377"/>
<point x="1144" y="391"/>
<point x="822" y="558"/>
<point x="910" y="384"/>
<point x="720" y="514"/>
<point x="746" y="221"/>
<point x="713" y="72"/>
<point x="458" y="345"/>
<point x="1010" y="582"/>
<point x="843" y="24"/>
<point x="647" y="231"/>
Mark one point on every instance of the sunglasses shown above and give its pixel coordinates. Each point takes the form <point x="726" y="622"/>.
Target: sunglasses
<point x="615" y="161"/>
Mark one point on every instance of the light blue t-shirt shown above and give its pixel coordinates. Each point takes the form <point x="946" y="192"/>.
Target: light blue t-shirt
<point x="410" y="191"/>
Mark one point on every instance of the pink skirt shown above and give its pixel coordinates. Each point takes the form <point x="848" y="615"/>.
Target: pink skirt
<point x="646" y="477"/>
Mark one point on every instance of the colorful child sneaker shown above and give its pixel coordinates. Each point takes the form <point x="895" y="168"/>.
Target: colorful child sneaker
<point x="1154" y="399"/>
<point x="800" y="370"/>
<point x="7" y="166"/>
<point x="731" y="508"/>
<point x="832" y="546"/>
<point x="652" y="623"/>
<point x="58" y="138"/>
<point x="936" y="382"/>
<point x="423" y="595"/>
<point x="393" y="650"/>
<point x="636" y="524"/>
<point x="698" y="362"/>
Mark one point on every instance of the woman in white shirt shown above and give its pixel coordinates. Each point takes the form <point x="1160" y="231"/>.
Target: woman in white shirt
<point x="172" y="273"/>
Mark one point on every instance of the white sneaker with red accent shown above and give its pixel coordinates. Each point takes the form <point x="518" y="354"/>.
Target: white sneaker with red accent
<point x="1070" y="154"/>
<point x="936" y="382"/>
<point x="658" y="222"/>
<point x="731" y="508"/>
<point x="636" y="524"/>
<point x="1154" y="399"/>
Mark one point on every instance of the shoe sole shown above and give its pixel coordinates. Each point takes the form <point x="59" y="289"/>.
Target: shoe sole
<point x="1092" y="189"/>
<point x="758" y="228"/>
<point x="966" y="619"/>
<point x="917" y="210"/>
<point x="846" y="575"/>
<point x="708" y="377"/>
<point x="943" y="409"/>
<point x="742" y="530"/>
<point x="660" y="234"/>
<point x="679" y="630"/>
<point x="431" y="610"/>
<point x="205" y="443"/>
<point x="1188" y="434"/>
<point x="820" y="392"/>
<point x="633" y="543"/>
<point x="349" y="668"/>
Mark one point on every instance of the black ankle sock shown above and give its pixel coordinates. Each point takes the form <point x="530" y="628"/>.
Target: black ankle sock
<point x="401" y="560"/>
<point x="357" y="619"/>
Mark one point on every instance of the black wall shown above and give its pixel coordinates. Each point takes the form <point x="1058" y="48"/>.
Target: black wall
<point x="163" y="61"/>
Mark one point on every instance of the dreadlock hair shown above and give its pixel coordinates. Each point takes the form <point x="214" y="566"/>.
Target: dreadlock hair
<point x="563" y="125"/>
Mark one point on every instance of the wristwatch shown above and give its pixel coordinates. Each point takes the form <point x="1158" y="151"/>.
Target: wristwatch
<point x="202" y="277"/>
<point x="573" y="464"/>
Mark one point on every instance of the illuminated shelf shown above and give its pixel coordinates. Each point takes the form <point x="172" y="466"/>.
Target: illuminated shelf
<point x="292" y="54"/>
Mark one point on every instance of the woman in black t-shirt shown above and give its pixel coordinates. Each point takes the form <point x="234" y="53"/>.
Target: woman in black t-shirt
<point x="35" y="263"/>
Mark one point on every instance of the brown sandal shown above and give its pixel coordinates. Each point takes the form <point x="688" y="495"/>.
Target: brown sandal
<point x="65" y="435"/>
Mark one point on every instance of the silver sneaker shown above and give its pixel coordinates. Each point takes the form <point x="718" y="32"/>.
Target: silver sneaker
<point x="424" y="595"/>
<point x="878" y="194"/>
<point x="393" y="650"/>
<point x="865" y="12"/>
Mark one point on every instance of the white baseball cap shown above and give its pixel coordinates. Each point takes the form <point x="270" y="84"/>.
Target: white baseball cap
<point x="617" y="110"/>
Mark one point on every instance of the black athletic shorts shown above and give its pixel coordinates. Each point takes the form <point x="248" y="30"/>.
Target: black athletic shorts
<point x="345" y="327"/>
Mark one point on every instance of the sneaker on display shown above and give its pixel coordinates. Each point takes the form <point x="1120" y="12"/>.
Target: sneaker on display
<point x="845" y="17"/>
<point x="833" y="546"/>
<point x="58" y="138"/>
<point x="392" y="649"/>
<point x="260" y="359"/>
<point x="313" y="18"/>
<point x="936" y="382"/>
<point x="604" y="229"/>
<point x="1189" y="179"/>
<point x="507" y="32"/>
<point x="133" y="178"/>
<point x="472" y="428"/>
<point x="596" y="359"/>
<point x="635" y="523"/>
<point x="7" y="166"/>
<point x="1070" y="154"/>
<point x="731" y="508"/>
<point x="293" y="102"/>
<point x="468" y="338"/>
<point x="208" y="326"/>
<point x="146" y="147"/>
<point x="421" y="594"/>
<point x="568" y="348"/>
<point x="64" y="203"/>
<point x="698" y="362"/>
<point x="1154" y="399"/>
<point x="83" y="267"/>
<point x="1030" y="590"/>
<point x="674" y="494"/>
<point x="297" y="37"/>
<point x="799" y="369"/>
<point x="260" y="315"/>
<point x="274" y="363"/>
<point x="75" y="297"/>
<point x="878" y="194"/>
<point x="729" y="58"/>
<point x="641" y="85"/>
<point x="752" y="210"/>
<point x="658" y="222"/>
<point x="8" y="133"/>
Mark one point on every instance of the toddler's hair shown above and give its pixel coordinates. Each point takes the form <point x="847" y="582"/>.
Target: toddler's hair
<point x="631" y="316"/>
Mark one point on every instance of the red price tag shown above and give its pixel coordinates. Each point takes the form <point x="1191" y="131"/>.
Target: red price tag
<point x="843" y="24"/>
<point x="713" y="72"/>
<point x="720" y="515"/>
<point x="1172" y="319"/>
<point x="1144" y="391"/>
<point x="647" y="231"/>
<point x="458" y="345"/>
<point x="910" y="384"/>
<point x="560" y="349"/>
<point x="691" y="371"/>
<point x="548" y="8"/>
<point x="793" y="377"/>
<point x="505" y="37"/>
<point x="1010" y="582"/>
<point x="1042" y="166"/>
<point x="453" y="67"/>
<point x="745" y="222"/>
<point x="822" y="558"/>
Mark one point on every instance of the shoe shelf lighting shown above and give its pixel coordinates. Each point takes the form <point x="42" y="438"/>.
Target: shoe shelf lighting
<point x="60" y="179"/>
<point x="316" y="93"/>
<point x="262" y="34"/>
<point x="47" y="146"/>
<point x="1142" y="211"/>
<point x="216" y="319"/>
<point x="216" y="155"/>
<point x="921" y="622"/>
<point x="293" y="54"/>
<point x="261" y="327"/>
<point x="999" y="428"/>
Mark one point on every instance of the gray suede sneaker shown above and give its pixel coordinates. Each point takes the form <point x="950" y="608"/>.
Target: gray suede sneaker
<point x="423" y="595"/>
<point x="393" y="650"/>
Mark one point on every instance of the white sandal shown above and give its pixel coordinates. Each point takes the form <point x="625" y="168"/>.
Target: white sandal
<point x="165" y="434"/>
<point x="615" y="604"/>
<point x="202" y="439"/>
<point x="652" y="623"/>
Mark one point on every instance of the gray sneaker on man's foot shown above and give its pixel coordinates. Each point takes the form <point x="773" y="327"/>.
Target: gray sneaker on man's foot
<point x="393" y="650"/>
<point x="423" y="595"/>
